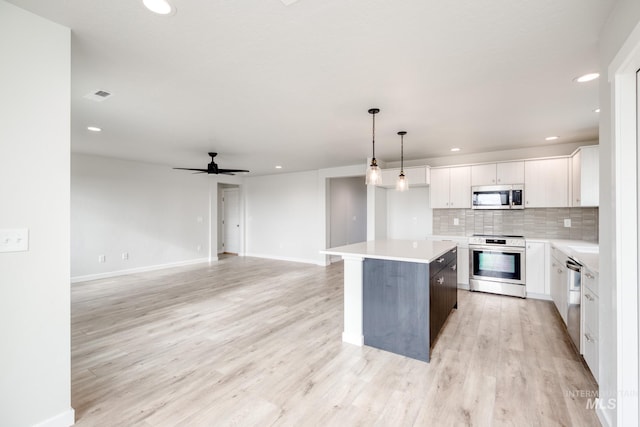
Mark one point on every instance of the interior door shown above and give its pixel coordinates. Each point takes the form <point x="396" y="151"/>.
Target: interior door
<point x="231" y="220"/>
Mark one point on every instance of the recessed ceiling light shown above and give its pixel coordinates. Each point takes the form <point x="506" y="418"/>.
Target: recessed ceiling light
<point x="161" y="7"/>
<point x="597" y="110"/>
<point x="94" y="129"/>
<point x="551" y="138"/>
<point x="455" y="149"/>
<point x="278" y="167"/>
<point x="586" y="78"/>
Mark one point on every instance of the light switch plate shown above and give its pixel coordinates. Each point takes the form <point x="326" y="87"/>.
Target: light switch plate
<point x="567" y="222"/>
<point x="14" y="240"/>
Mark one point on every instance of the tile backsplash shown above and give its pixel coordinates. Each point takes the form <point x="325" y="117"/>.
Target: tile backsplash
<point x="547" y="223"/>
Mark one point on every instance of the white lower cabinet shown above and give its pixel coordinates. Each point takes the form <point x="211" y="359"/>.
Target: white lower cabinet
<point x="463" y="266"/>
<point x="590" y="335"/>
<point x="558" y="282"/>
<point x="536" y="274"/>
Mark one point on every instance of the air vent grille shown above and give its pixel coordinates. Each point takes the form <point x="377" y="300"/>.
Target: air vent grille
<point x="98" y="95"/>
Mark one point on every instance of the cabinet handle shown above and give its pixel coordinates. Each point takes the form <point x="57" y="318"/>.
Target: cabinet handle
<point x="590" y="276"/>
<point x="589" y="338"/>
<point x="441" y="280"/>
<point x="589" y="297"/>
<point x="440" y="261"/>
<point x="454" y="267"/>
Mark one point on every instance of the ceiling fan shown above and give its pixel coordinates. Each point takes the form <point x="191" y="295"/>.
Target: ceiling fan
<point x="212" y="168"/>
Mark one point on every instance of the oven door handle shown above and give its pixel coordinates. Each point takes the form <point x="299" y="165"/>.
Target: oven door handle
<point x="506" y="249"/>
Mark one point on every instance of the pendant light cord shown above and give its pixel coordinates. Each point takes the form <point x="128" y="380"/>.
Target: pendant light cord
<point x="402" y="154"/>
<point x="373" y="137"/>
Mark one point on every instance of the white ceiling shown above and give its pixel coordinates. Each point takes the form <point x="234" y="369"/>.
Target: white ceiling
<point x="265" y="84"/>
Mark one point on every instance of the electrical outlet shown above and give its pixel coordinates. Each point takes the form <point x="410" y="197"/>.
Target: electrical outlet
<point x="102" y="259"/>
<point x="125" y="255"/>
<point x="199" y="219"/>
<point x="456" y="221"/>
<point x="567" y="222"/>
<point x="199" y="248"/>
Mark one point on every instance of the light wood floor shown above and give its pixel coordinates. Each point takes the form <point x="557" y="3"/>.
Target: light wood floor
<point x="247" y="341"/>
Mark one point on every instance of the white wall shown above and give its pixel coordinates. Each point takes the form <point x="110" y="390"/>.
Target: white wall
<point x="34" y="184"/>
<point x="622" y="21"/>
<point x="348" y="211"/>
<point x="409" y="214"/>
<point x="157" y="215"/>
<point x="283" y="216"/>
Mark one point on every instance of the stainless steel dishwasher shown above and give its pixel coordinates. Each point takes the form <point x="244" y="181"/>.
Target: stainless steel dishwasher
<point x="574" y="297"/>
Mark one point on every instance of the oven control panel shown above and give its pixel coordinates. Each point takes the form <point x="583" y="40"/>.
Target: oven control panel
<point x="514" y="241"/>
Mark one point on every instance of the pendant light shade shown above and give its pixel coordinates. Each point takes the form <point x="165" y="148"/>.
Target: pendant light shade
<point x="373" y="172"/>
<point x="402" y="184"/>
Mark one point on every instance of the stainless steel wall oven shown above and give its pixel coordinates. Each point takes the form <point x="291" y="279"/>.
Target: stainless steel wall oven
<point x="497" y="264"/>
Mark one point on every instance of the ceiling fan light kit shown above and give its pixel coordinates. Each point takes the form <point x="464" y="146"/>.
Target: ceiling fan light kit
<point x="373" y="172"/>
<point x="213" y="169"/>
<point x="402" y="183"/>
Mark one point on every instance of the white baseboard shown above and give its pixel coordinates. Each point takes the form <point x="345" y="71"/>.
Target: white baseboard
<point x="64" y="419"/>
<point x="291" y="259"/>
<point x="353" y="339"/>
<point x="539" y="296"/>
<point x="464" y="286"/>
<point x="116" y="273"/>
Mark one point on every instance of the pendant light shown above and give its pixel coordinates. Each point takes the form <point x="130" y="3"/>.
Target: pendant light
<point x="373" y="172"/>
<point x="402" y="184"/>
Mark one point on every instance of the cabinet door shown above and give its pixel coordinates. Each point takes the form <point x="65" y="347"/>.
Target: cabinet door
<point x="460" y="187"/>
<point x="463" y="267"/>
<point x="510" y="173"/>
<point x="559" y="287"/>
<point x="416" y="176"/>
<point x="439" y="188"/>
<point x="483" y="174"/>
<point x="536" y="269"/>
<point x="389" y="177"/>
<point x="546" y="183"/>
<point x="590" y="176"/>
<point x="575" y="179"/>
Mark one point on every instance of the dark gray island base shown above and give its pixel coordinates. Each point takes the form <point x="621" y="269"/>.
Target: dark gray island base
<point x="405" y="304"/>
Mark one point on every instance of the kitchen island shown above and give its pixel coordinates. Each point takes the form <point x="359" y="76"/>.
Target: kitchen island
<point x="397" y="293"/>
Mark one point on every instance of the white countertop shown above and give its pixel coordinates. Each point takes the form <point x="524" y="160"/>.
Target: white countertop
<point x="586" y="253"/>
<point x="422" y="251"/>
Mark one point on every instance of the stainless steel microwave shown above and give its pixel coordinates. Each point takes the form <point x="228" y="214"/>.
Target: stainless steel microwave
<point x="497" y="197"/>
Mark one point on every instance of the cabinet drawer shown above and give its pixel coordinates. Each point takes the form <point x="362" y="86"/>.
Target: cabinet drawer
<point x="590" y="307"/>
<point x="590" y="281"/>
<point x="591" y="355"/>
<point x="443" y="261"/>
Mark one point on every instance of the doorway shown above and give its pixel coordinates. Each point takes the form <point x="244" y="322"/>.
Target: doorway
<point x="230" y="220"/>
<point x="347" y="211"/>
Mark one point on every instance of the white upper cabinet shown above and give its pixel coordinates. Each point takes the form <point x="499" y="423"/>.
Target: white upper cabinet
<point x="510" y="173"/>
<point x="585" y="173"/>
<point x="440" y="188"/>
<point x="451" y="187"/>
<point x="416" y="175"/>
<point x="483" y="174"/>
<point x="498" y="173"/>
<point x="546" y="183"/>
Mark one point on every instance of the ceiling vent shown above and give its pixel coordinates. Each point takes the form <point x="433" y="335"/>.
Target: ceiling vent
<point x="288" y="2"/>
<point x="98" y="95"/>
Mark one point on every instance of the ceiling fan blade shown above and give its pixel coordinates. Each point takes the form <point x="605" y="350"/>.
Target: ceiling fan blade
<point x="191" y="169"/>
<point x="231" y="170"/>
